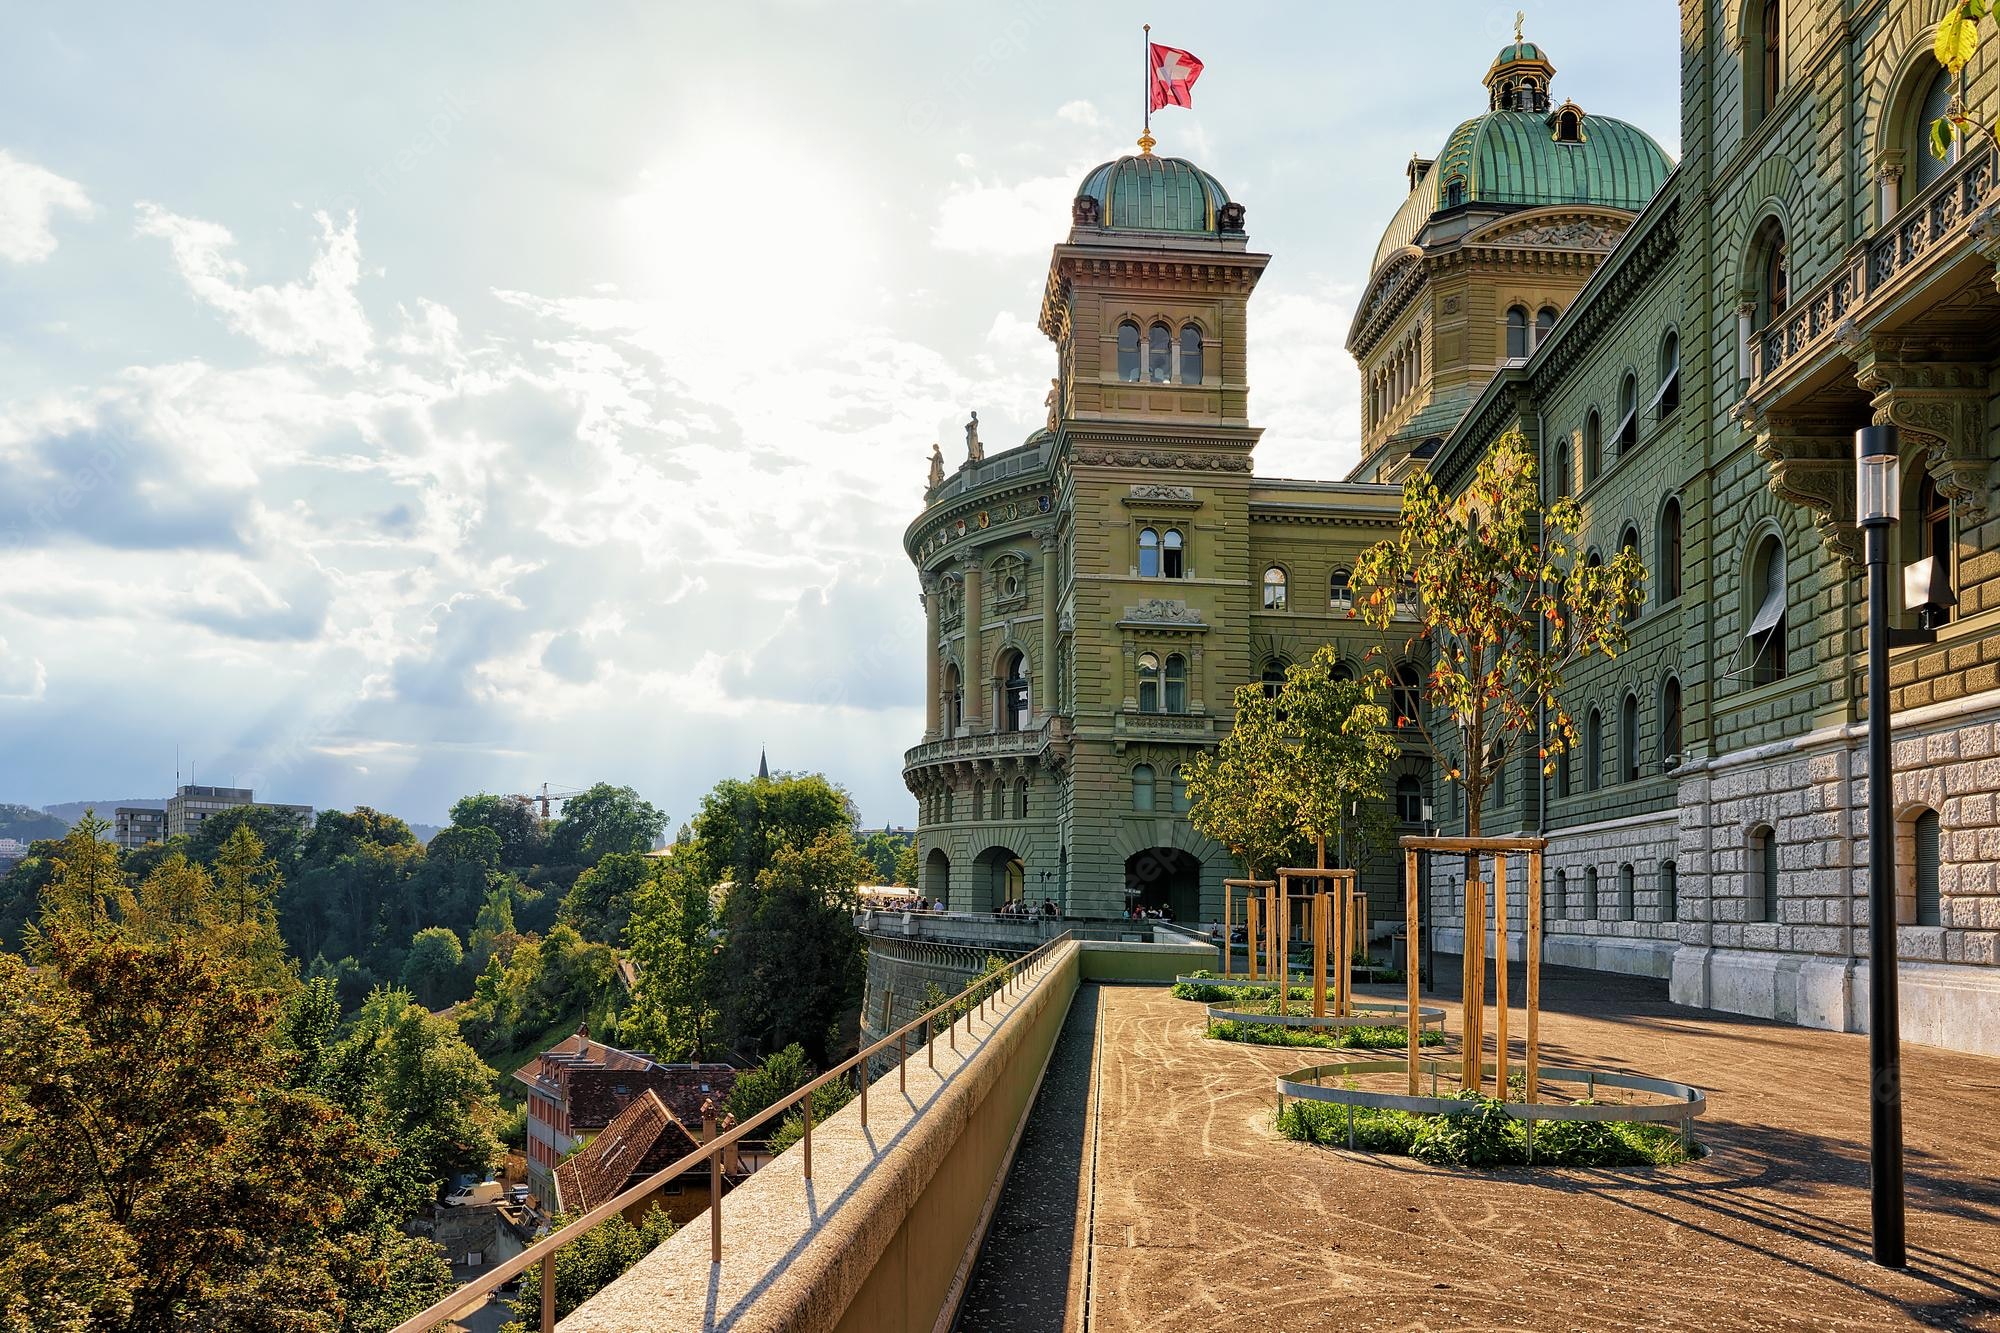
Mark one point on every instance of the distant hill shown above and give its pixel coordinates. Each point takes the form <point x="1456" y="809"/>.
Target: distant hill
<point x="425" y="832"/>
<point x="71" y="811"/>
<point x="24" y="823"/>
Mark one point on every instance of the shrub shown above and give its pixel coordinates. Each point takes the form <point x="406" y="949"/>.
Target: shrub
<point x="826" y="1099"/>
<point x="1325" y="1123"/>
<point x="1486" y="1136"/>
<point x="1354" y="1038"/>
<point x="1606" y="1143"/>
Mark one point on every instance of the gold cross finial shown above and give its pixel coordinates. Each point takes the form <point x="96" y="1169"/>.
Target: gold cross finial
<point x="1520" y="17"/>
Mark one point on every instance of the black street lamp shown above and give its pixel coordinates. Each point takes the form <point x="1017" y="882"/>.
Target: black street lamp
<point x="1878" y="464"/>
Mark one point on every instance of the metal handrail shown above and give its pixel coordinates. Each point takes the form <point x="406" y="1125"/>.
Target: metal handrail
<point x="543" y="1251"/>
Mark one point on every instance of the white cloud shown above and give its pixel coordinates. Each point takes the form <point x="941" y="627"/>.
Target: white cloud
<point x="30" y="197"/>
<point x="1306" y="390"/>
<point x="1081" y="113"/>
<point x="321" y="316"/>
<point x="1005" y="220"/>
<point x="21" y="676"/>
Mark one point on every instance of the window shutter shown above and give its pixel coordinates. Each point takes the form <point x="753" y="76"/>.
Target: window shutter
<point x="1929" y="906"/>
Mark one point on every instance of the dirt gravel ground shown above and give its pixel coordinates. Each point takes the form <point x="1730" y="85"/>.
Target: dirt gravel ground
<point x="1198" y="1216"/>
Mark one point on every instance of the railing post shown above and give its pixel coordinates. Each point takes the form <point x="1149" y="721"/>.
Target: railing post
<point x="930" y="1043"/>
<point x="903" y="1061"/>
<point x="806" y="1140"/>
<point x="861" y="1073"/>
<point x="715" y="1208"/>
<point x="549" y="1293"/>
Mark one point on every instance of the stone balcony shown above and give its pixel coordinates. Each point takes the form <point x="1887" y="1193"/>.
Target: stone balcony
<point x="1049" y="742"/>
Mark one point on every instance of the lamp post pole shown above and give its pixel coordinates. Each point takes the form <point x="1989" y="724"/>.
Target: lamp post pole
<point x="1877" y="461"/>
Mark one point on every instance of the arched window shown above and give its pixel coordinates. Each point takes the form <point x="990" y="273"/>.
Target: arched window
<point x="1762" y="857"/>
<point x="1564" y="478"/>
<point x="1159" y="354"/>
<point x="950" y="805"/>
<point x="1454" y="192"/>
<point x="1545" y="323"/>
<point x="1562" y="771"/>
<point x="1172" y="565"/>
<point x="1517" y="331"/>
<point x="1930" y="906"/>
<point x="1181" y="805"/>
<point x="1273" y="678"/>
<point x="1767" y="639"/>
<point x="1670" y="891"/>
<point x="1593" y="447"/>
<point x="999" y="800"/>
<point x="1765" y="66"/>
<point x="1190" y="354"/>
<point x="1406" y="695"/>
<point x="1627" y="879"/>
<point x="1669" y="396"/>
<point x="1142" y="788"/>
<point x="1670" y="725"/>
<point x="954" y="695"/>
<point x="1667" y="578"/>
<point x="1937" y="100"/>
<point x="1628" y="540"/>
<point x="1591" y="906"/>
<point x="1559" y="900"/>
<point x="1020" y="798"/>
<point x="1149" y="683"/>
<point x="1176" y="684"/>
<point x="1774" y="283"/>
<point x="1014" y="692"/>
<point x="1128" y="352"/>
<point x="1341" y="670"/>
<point x="1628" y="413"/>
<point x="1409" y="799"/>
<point x="1149" y="553"/>
<point x="1628" y="739"/>
<point x="1274" y="589"/>
<point x="1569" y="127"/>
<point x="1593" y="750"/>
<point x="1339" y="592"/>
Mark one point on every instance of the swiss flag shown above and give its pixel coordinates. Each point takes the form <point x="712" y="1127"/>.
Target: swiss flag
<point x="1173" y="76"/>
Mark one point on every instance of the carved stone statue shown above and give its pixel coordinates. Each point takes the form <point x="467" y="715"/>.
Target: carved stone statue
<point x="937" y="466"/>
<point x="974" y="450"/>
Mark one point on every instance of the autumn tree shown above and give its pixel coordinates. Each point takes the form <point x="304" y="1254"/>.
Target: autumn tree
<point x="1504" y="610"/>
<point x="1956" y="42"/>
<point x="671" y="939"/>
<point x="86" y="890"/>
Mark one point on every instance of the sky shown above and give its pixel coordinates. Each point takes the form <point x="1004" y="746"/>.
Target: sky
<point x="403" y="401"/>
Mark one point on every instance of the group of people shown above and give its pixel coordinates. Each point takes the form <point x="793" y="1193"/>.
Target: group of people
<point x="1016" y="907"/>
<point x="913" y="903"/>
<point x="1144" y="913"/>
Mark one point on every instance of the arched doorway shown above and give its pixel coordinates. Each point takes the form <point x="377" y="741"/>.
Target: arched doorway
<point x="937" y="875"/>
<point x="1164" y="877"/>
<point x="1004" y="876"/>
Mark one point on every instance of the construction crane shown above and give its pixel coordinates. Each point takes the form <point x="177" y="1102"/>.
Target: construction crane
<point x="545" y="798"/>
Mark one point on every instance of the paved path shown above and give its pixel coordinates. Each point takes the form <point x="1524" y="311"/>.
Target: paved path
<point x="1202" y="1218"/>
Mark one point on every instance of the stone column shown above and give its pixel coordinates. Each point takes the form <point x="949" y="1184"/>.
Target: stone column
<point x="930" y="599"/>
<point x="1046" y="697"/>
<point x="976" y="675"/>
<point x="1892" y="191"/>
<point x="1746" y="315"/>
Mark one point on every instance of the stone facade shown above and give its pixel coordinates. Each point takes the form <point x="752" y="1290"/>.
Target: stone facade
<point x="1806" y="270"/>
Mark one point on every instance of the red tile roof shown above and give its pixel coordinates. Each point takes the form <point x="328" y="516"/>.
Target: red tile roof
<point x="644" y="1138"/>
<point x="596" y="1082"/>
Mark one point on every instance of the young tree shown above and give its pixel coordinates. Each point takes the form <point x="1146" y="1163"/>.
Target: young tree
<point x="672" y="942"/>
<point x="1239" y="794"/>
<point x="1505" y="608"/>
<point x="1340" y="747"/>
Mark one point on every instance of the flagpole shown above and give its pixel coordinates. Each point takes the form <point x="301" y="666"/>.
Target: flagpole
<point x="1146" y="86"/>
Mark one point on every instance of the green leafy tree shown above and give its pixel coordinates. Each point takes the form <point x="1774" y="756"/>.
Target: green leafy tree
<point x="512" y="820"/>
<point x="792" y="967"/>
<point x="155" y="1170"/>
<point x="280" y="831"/>
<point x="604" y="820"/>
<point x="590" y="1263"/>
<point x="672" y="942"/>
<point x="600" y="902"/>
<point x="435" y="966"/>
<point x="743" y="825"/>
<point x="1340" y="750"/>
<point x="881" y="849"/>
<point x="1506" y="609"/>
<point x="906" y="866"/>
<point x="408" y="1075"/>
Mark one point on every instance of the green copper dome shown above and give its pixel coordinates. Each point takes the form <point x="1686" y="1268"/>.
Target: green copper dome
<point x="1148" y="193"/>
<point x="1519" y="51"/>
<point x="1520" y="159"/>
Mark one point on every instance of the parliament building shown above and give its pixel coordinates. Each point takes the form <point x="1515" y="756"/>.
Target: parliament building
<point x="1689" y="349"/>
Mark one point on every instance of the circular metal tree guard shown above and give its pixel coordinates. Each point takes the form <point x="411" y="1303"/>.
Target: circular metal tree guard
<point x="1365" y="1015"/>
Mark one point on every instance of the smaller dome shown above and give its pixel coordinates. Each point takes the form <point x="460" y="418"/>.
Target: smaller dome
<point x="1520" y="51"/>
<point x="1163" y="194"/>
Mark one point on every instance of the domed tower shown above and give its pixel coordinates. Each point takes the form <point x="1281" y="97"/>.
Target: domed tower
<point x="1502" y="228"/>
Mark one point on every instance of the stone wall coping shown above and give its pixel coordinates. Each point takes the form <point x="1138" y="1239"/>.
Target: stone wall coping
<point x="796" y="1251"/>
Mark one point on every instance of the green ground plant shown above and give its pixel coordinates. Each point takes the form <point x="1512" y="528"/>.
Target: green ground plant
<point x="1485" y="1138"/>
<point x="1365" y="1038"/>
